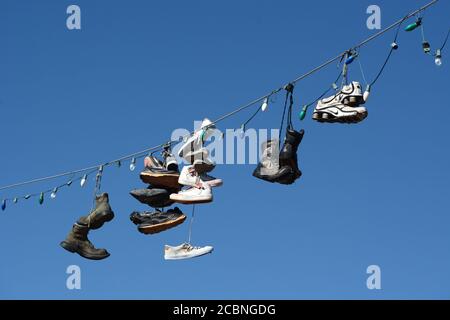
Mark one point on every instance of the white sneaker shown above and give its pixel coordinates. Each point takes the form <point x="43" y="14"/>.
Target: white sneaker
<point x="193" y="195"/>
<point x="210" y="180"/>
<point x="185" y="251"/>
<point x="344" y="106"/>
<point x="206" y="129"/>
<point x="195" y="141"/>
<point x="188" y="177"/>
<point x="197" y="155"/>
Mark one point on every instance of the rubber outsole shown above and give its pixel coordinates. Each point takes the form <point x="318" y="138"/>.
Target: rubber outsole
<point x="161" y="179"/>
<point x="214" y="185"/>
<point x="330" y="118"/>
<point x="162" y="226"/>
<point x="192" y="201"/>
<point x="185" y="258"/>
<point x="71" y="249"/>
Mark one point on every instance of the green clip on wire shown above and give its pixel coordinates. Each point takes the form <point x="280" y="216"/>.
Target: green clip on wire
<point x="302" y="114"/>
<point x="414" y="25"/>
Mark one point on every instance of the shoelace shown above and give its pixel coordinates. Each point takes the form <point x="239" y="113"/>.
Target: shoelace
<point x="149" y="214"/>
<point x="189" y="247"/>
<point x="194" y="173"/>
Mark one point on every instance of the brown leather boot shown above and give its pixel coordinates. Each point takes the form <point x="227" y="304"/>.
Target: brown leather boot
<point x="77" y="241"/>
<point x="102" y="213"/>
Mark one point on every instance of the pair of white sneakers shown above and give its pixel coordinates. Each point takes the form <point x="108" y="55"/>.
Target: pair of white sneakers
<point x="200" y="185"/>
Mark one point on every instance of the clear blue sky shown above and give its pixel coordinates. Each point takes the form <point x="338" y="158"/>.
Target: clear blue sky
<point x="373" y="193"/>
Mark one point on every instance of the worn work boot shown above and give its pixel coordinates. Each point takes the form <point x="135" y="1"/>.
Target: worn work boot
<point x="282" y="168"/>
<point x="77" y="241"/>
<point x="102" y="213"/>
<point x="288" y="153"/>
<point x="269" y="168"/>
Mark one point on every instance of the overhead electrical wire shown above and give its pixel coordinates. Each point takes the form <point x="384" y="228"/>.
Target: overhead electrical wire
<point x="133" y="156"/>
<point x="445" y="41"/>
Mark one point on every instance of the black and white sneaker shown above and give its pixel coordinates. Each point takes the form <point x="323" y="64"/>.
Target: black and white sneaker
<point x="344" y="106"/>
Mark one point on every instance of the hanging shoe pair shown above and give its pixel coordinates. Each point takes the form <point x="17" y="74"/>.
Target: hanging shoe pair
<point x="193" y="147"/>
<point x="282" y="168"/>
<point x="157" y="221"/>
<point x="344" y="106"/>
<point x="161" y="174"/>
<point x="77" y="240"/>
<point x="200" y="160"/>
<point x="185" y="251"/>
<point x="193" y="151"/>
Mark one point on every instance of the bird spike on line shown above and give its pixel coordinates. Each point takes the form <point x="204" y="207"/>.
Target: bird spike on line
<point x="135" y="155"/>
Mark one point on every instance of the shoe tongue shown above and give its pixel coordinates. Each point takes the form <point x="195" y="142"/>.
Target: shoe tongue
<point x="176" y="210"/>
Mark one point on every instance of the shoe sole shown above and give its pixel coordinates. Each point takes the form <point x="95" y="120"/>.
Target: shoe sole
<point x="161" y="180"/>
<point x="162" y="226"/>
<point x="185" y="258"/>
<point x="192" y="201"/>
<point x="214" y="185"/>
<point x="71" y="249"/>
<point x="186" y="201"/>
<point x="353" y="101"/>
<point x="330" y="118"/>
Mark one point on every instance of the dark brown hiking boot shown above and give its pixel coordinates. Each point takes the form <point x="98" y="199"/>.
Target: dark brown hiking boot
<point x="77" y="241"/>
<point x="102" y="213"/>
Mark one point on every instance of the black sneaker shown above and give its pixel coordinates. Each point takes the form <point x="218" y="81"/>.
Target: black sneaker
<point x="159" y="221"/>
<point x="154" y="197"/>
<point x="139" y="217"/>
